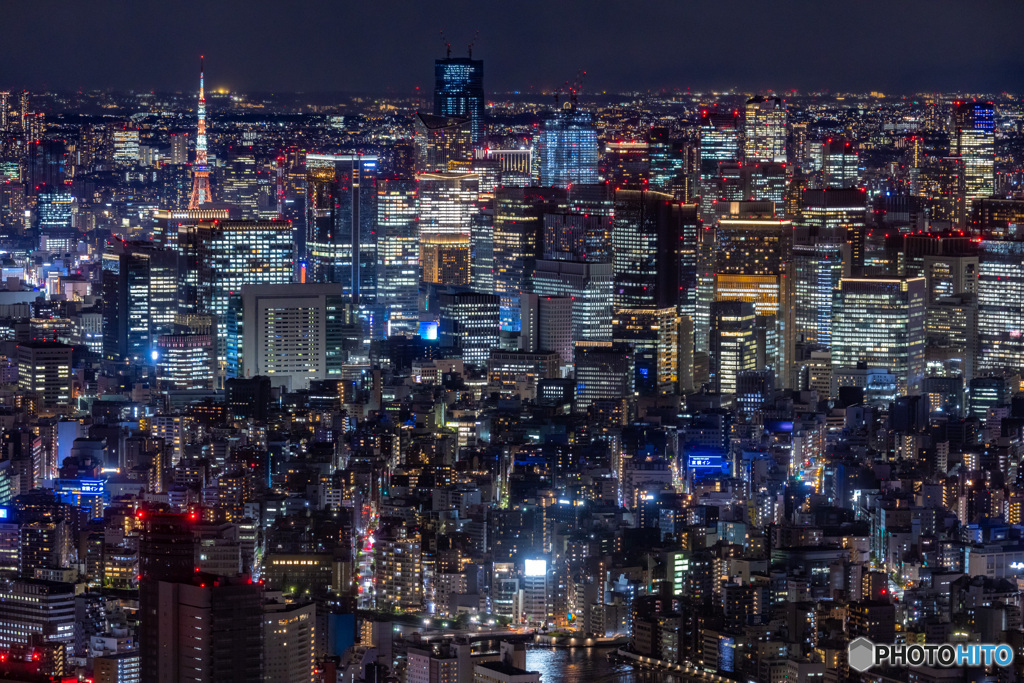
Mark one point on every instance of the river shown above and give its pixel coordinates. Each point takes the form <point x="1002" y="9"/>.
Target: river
<point x="590" y="665"/>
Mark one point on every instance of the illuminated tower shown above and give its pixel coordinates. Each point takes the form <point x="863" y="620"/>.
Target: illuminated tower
<point x="201" y="173"/>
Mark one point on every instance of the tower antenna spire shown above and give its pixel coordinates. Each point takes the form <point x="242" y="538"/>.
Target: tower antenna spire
<point x="201" y="170"/>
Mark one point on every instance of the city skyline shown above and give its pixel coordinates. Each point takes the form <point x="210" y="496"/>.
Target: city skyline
<point x="457" y="385"/>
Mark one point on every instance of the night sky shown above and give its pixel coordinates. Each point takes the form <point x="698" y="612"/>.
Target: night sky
<point x="389" y="46"/>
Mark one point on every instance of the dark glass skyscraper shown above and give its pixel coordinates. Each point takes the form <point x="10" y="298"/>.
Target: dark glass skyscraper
<point x="459" y="91"/>
<point x="341" y="240"/>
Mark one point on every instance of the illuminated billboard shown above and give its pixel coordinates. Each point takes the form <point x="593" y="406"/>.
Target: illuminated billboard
<point x="536" y="568"/>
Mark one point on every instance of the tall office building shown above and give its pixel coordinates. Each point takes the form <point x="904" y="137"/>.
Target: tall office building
<point x="222" y="256"/>
<point x="1001" y="305"/>
<point x="443" y="143"/>
<point x="604" y="372"/>
<point x="447" y="202"/>
<point x="44" y="372"/>
<point x="186" y="356"/>
<point x="126" y="147"/>
<point x="567" y="148"/>
<point x="398" y="256"/>
<point x="166" y="553"/>
<point x="974" y="130"/>
<point x="719" y="144"/>
<point x="468" y="326"/>
<point x="240" y="186"/>
<point x="765" y="130"/>
<point x="341" y="216"/>
<point x="648" y="236"/>
<point x="577" y="237"/>
<point x="445" y="259"/>
<point x="818" y="266"/>
<point x="547" y="326"/>
<point x="832" y="209"/>
<point x="518" y="238"/>
<point x="140" y="298"/>
<point x="732" y="344"/>
<point x="459" y="91"/>
<point x="752" y="264"/>
<point x="671" y="164"/>
<point x="840" y="164"/>
<point x="627" y="164"/>
<point x="880" y="322"/>
<point x="588" y="285"/>
<point x="209" y="629"/>
<point x="296" y="333"/>
<point x="55" y="210"/>
<point x="830" y="223"/>
<point x="653" y="335"/>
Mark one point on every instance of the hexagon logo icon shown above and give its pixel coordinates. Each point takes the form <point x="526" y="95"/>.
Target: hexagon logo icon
<point x="861" y="654"/>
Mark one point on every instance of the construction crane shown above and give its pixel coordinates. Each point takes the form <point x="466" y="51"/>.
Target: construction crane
<point x="577" y="86"/>
<point x="472" y="43"/>
<point x="447" y="46"/>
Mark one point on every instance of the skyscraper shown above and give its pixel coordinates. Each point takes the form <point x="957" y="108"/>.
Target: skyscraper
<point x="719" y="144"/>
<point x="840" y="164"/>
<point x="974" y="128"/>
<point x="5" y="111"/>
<point x="398" y="256"/>
<point x="294" y="333"/>
<point x="881" y="322"/>
<point x="765" y="130"/>
<point x="443" y="143"/>
<point x="468" y="326"/>
<point x="588" y="285"/>
<point x="567" y="148"/>
<point x="547" y="326"/>
<point x="752" y="264"/>
<point x="1001" y="305"/>
<point x="732" y="345"/>
<point x="518" y="238"/>
<point x="140" y="298"/>
<point x="829" y="222"/>
<point x="603" y="371"/>
<point x="447" y="202"/>
<point x="44" y="372"/>
<point x="459" y="91"/>
<point x="647" y="236"/>
<point x="341" y="215"/>
<point x="653" y="335"/>
<point x="222" y="256"/>
<point x="186" y="356"/>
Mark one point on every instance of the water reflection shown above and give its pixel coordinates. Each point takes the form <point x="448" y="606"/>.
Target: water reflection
<point x="591" y="665"/>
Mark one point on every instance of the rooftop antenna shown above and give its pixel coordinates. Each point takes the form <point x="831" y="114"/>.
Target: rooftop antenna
<point x="473" y="42"/>
<point x="577" y="86"/>
<point x="447" y="46"/>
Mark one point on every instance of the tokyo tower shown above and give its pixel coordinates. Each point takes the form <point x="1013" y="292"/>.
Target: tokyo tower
<point x="201" y="170"/>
